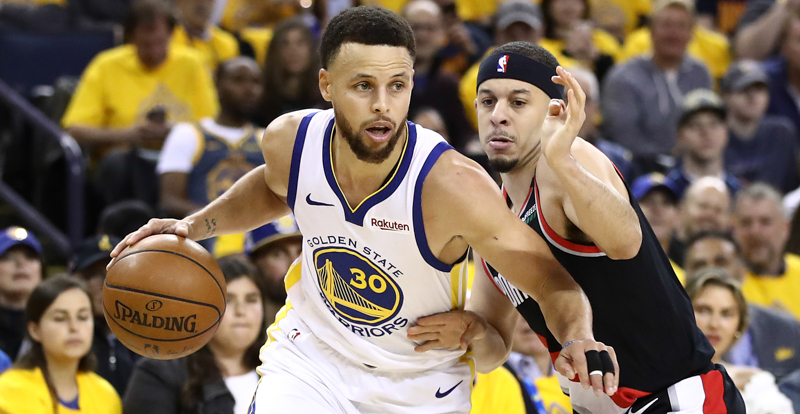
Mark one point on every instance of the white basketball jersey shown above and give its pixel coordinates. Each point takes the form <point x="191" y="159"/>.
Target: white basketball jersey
<point x="367" y="274"/>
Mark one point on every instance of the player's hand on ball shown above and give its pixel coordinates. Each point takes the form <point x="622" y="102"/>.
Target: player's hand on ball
<point x="154" y="226"/>
<point x="593" y="362"/>
<point x="563" y="121"/>
<point x="448" y="330"/>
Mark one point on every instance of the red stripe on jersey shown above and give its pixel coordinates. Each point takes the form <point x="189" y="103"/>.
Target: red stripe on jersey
<point x="714" y="387"/>
<point x="580" y="248"/>
<point x="524" y="203"/>
<point x="489" y="275"/>
<point x="624" y="397"/>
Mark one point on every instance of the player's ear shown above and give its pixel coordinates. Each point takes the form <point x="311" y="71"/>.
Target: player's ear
<point x="325" y="84"/>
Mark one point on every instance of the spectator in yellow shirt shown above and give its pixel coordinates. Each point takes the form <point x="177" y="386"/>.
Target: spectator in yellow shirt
<point x="196" y="32"/>
<point x="55" y="374"/>
<point x="560" y="17"/>
<point x="132" y="94"/>
<point x="761" y="229"/>
<point x="705" y="45"/>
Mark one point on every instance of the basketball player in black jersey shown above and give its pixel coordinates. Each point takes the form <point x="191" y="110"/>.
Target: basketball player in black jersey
<point x="572" y="195"/>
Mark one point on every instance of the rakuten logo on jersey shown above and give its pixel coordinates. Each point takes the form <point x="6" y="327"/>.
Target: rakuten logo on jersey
<point x="389" y="225"/>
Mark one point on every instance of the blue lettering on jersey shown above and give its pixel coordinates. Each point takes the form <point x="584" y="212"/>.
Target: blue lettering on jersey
<point x="355" y="289"/>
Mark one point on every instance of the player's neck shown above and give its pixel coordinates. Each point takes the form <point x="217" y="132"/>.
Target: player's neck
<point x="358" y="179"/>
<point x="518" y="181"/>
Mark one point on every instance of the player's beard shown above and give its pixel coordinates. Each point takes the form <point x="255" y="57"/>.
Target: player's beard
<point x="357" y="145"/>
<point x="503" y="165"/>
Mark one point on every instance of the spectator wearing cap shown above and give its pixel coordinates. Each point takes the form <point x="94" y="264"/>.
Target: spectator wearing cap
<point x="660" y="207"/>
<point x="272" y="248"/>
<point x="433" y="88"/>
<point x="705" y="44"/>
<point x="706" y="206"/>
<point x="701" y="140"/>
<point x="514" y="21"/>
<point x="114" y="361"/>
<point x="760" y="148"/>
<point x="784" y="74"/>
<point x="21" y="270"/>
<point x="642" y="97"/>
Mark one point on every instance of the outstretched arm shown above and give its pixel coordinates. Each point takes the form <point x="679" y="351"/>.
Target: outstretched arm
<point x="596" y="200"/>
<point x="254" y="200"/>
<point x="462" y="201"/>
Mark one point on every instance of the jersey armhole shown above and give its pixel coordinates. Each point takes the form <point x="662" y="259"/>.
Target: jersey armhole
<point x="489" y="275"/>
<point x="297" y="153"/>
<point x="418" y="222"/>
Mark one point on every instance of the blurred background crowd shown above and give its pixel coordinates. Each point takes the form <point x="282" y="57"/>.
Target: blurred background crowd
<point x="113" y="112"/>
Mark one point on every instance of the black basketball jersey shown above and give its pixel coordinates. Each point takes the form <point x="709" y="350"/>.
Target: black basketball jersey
<point x="639" y="307"/>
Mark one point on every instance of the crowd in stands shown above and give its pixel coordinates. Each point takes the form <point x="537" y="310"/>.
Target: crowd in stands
<point x="697" y="103"/>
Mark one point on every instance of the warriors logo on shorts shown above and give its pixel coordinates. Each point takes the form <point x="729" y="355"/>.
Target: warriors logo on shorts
<point x="356" y="289"/>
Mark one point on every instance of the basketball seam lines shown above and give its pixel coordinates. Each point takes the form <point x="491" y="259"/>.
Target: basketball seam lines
<point x="161" y="295"/>
<point x="185" y="257"/>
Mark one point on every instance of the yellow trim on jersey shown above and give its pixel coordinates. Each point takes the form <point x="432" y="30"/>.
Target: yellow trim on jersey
<point x="274" y="327"/>
<point x="455" y="278"/>
<point x="389" y="181"/>
<point x="201" y="144"/>
<point x="249" y="130"/>
<point x="293" y="274"/>
<point x="469" y="359"/>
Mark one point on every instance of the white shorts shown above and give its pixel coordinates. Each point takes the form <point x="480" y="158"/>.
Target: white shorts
<point x="301" y="374"/>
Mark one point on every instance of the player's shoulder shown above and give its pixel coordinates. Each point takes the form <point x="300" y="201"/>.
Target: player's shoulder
<point x="283" y="130"/>
<point x="589" y="155"/>
<point x="458" y="181"/>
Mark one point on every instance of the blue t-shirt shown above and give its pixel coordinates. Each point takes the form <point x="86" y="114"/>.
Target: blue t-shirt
<point x="770" y="156"/>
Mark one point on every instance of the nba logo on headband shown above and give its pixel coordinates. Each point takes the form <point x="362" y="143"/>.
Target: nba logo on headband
<point x="502" y="64"/>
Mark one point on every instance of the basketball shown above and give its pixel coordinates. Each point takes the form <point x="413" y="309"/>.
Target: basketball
<point x="164" y="297"/>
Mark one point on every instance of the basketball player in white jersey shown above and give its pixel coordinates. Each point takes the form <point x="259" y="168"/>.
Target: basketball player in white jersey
<point x="385" y="208"/>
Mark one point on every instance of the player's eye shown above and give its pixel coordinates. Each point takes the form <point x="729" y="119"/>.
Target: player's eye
<point x="518" y="103"/>
<point x="487" y="102"/>
<point x="362" y="87"/>
<point x="398" y="86"/>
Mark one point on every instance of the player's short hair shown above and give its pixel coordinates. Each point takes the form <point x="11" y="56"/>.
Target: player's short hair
<point x="366" y="25"/>
<point x="529" y="50"/>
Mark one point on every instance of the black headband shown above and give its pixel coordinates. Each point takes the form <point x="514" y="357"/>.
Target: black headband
<point x="504" y="65"/>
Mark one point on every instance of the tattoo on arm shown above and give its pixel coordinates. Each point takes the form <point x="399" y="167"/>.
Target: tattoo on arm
<point x="211" y="227"/>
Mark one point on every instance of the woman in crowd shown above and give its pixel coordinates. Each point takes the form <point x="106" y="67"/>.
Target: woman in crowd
<point x="291" y="74"/>
<point x="570" y="35"/>
<point x="56" y="374"/>
<point x="219" y="378"/>
<point x="721" y="313"/>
